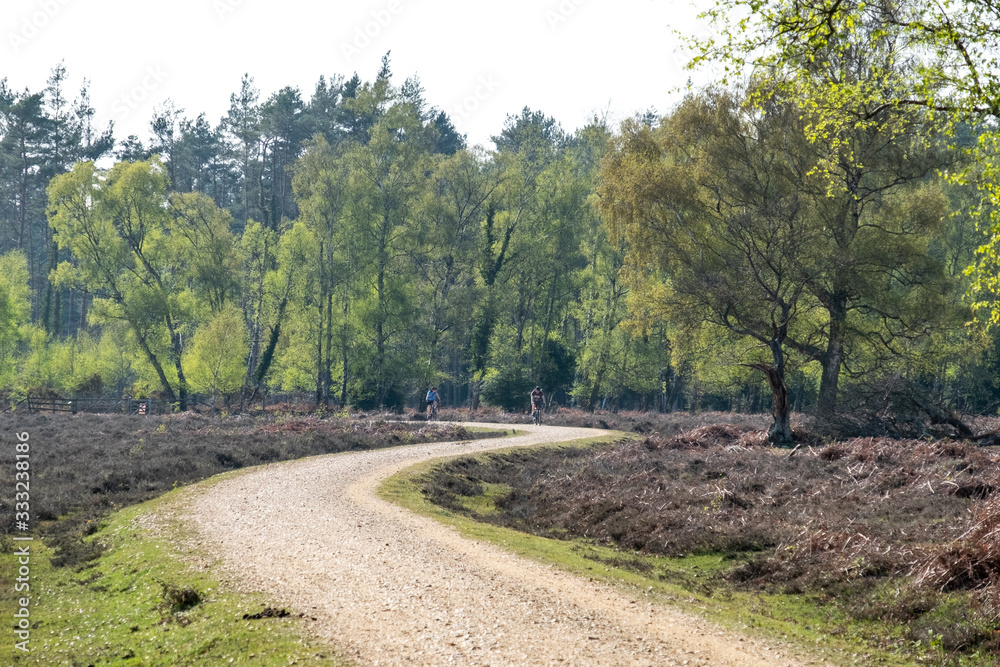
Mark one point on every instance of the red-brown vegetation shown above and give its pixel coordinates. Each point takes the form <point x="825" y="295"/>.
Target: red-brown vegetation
<point x="839" y="520"/>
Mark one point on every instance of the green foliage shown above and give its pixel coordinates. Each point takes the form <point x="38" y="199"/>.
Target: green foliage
<point x="15" y="312"/>
<point x="218" y="355"/>
<point x="507" y="387"/>
<point x="737" y="218"/>
<point x="153" y="257"/>
<point x="938" y="58"/>
<point x="365" y="253"/>
<point x="556" y="367"/>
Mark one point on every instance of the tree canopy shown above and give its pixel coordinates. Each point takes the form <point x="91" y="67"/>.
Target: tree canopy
<point x="793" y="227"/>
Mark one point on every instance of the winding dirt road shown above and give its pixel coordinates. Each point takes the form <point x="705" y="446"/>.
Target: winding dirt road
<point x="388" y="587"/>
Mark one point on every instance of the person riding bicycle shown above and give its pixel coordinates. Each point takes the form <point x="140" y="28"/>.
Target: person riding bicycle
<point x="537" y="402"/>
<point x="432" y="400"/>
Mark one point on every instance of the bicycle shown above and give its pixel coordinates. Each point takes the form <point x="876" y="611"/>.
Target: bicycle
<point x="536" y="416"/>
<point x="432" y="411"/>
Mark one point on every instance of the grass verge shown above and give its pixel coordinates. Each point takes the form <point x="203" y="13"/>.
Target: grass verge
<point x="689" y="583"/>
<point x="145" y="601"/>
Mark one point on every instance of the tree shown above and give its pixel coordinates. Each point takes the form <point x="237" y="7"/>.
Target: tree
<point x="320" y="185"/>
<point x="164" y="126"/>
<point x="461" y="189"/>
<point x="218" y="354"/>
<point x="388" y="175"/>
<point x="951" y="48"/>
<point x="256" y="253"/>
<point x="24" y="128"/>
<point x="131" y="149"/>
<point x="243" y="123"/>
<point x="143" y="255"/>
<point x="874" y="142"/>
<point x="15" y="312"/>
<point x="449" y="141"/>
<point x="324" y="111"/>
<point x="725" y="200"/>
<point x="283" y="132"/>
<point x="525" y="147"/>
<point x="205" y="243"/>
<point x="704" y="200"/>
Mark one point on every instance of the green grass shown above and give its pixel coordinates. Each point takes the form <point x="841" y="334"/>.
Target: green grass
<point x="143" y="602"/>
<point x="687" y="583"/>
<point x="484" y="504"/>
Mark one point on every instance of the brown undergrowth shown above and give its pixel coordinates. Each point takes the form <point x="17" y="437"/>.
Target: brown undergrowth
<point x="663" y="424"/>
<point x="907" y="530"/>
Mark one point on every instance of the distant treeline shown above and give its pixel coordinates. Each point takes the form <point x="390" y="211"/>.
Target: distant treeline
<point x="351" y="245"/>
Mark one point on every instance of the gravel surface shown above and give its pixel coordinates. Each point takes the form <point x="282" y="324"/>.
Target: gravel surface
<point x="388" y="587"/>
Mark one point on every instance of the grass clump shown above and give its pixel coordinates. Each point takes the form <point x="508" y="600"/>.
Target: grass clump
<point x="179" y="598"/>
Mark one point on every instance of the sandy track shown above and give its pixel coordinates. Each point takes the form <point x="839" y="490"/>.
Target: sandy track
<point x="391" y="588"/>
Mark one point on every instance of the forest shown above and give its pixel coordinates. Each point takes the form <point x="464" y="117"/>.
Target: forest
<point x="797" y="240"/>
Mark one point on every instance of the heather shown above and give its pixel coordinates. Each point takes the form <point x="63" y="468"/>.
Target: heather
<point x="875" y="529"/>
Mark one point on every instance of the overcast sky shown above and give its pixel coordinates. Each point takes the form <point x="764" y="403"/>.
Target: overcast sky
<point x="571" y="59"/>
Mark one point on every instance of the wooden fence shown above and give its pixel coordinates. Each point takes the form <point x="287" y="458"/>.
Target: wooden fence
<point x="128" y="406"/>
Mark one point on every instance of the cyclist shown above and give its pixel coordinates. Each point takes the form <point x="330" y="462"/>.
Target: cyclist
<point x="537" y="404"/>
<point x="432" y="402"/>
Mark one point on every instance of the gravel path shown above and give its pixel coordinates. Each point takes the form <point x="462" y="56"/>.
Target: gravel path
<point x="392" y="588"/>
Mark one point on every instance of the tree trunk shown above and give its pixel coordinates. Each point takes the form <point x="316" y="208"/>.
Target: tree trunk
<point x="176" y="350"/>
<point x="344" y="350"/>
<point x="83" y="309"/>
<point x="328" y="360"/>
<point x="832" y="360"/>
<point x="780" y="433"/>
<point x="155" y="363"/>
<point x="482" y="331"/>
<point x="476" y="386"/>
<point x="319" y="357"/>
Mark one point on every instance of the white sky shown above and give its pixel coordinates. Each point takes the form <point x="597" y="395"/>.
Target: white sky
<point x="479" y="62"/>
